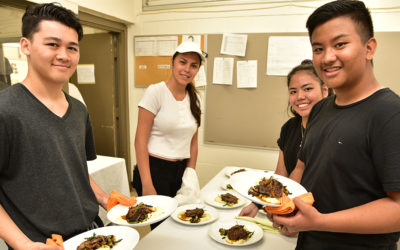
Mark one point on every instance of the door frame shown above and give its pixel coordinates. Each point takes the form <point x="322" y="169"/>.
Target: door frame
<point x="21" y="4"/>
<point x="122" y="110"/>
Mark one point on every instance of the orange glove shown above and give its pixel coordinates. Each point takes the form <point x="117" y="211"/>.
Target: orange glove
<point x="117" y="198"/>
<point x="287" y="205"/>
<point x="56" y="240"/>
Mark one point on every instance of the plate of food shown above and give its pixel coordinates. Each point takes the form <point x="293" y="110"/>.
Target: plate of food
<point x="227" y="199"/>
<point x="147" y="210"/>
<point x="235" y="233"/>
<point x="231" y="170"/>
<point x="226" y="185"/>
<point x="195" y="214"/>
<point x="265" y="188"/>
<point x="115" y="237"/>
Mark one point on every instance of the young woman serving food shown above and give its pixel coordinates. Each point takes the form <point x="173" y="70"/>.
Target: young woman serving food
<point x="169" y="117"/>
<point x="305" y="90"/>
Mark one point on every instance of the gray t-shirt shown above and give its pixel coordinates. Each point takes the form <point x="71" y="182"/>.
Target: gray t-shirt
<point x="44" y="180"/>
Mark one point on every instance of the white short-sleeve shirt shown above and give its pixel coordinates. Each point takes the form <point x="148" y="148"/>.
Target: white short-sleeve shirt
<point x="173" y="126"/>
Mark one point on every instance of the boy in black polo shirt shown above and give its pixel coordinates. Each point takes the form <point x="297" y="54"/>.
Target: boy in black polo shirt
<point x="350" y="159"/>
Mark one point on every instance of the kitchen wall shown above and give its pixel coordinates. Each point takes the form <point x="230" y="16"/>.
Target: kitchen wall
<point x="241" y="18"/>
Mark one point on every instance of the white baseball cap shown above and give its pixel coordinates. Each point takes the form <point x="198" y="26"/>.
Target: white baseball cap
<point x="185" y="47"/>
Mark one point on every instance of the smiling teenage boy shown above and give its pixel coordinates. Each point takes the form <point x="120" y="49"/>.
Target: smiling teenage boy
<point x="350" y="159"/>
<point x="46" y="139"/>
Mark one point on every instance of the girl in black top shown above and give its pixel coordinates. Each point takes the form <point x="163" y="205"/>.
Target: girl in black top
<point x="305" y="90"/>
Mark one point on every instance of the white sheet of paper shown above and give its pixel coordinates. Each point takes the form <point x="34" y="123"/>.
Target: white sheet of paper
<point x="85" y="73"/>
<point x="286" y="52"/>
<point x="200" y="79"/>
<point x="163" y="66"/>
<point x="247" y="74"/>
<point x="233" y="44"/>
<point x="144" y="46"/>
<point x="166" y="45"/>
<point x="223" y="70"/>
<point x="155" y="46"/>
<point x="20" y="70"/>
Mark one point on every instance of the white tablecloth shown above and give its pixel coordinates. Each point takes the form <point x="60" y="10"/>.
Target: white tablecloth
<point x="175" y="236"/>
<point x="110" y="174"/>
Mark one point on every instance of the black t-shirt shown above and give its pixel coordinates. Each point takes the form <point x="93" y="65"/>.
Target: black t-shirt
<point x="289" y="142"/>
<point x="44" y="180"/>
<point x="352" y="157"/>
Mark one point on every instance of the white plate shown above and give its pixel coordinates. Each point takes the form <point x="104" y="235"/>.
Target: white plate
<point x="213" y="232"/>
<point x="230" y="169"/>
<point x="243" y="181"/>
<point x="167" y="205"/>
<point x="129" y="236"/>
<point x="224" y="185"/>
<point x="207" y="210"/>
<point x="211" y="200"/>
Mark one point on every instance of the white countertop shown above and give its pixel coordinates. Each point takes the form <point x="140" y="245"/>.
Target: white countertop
<point x="171" y="235"/>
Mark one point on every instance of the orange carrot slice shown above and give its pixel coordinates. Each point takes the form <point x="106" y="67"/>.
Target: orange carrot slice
<point x="50" y="242"/>
<point x="287" y="204"/>
<point x="117" y="198"/>
<point x="56" y="240"/>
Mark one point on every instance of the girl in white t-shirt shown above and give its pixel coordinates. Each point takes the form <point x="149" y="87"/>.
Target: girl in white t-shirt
<point x="168" y="121"/>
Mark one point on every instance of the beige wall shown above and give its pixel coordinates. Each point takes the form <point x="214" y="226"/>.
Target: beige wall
<point x="242" y="18"/>
<point x="113" y="9"/>
<point x="250" y="18"/>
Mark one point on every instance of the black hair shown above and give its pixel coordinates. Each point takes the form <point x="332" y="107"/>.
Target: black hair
<point x="306" y="65"/>
<point x="354" y="9"/>
<point x="34" y="14"/>
<point x="194" y="98"/>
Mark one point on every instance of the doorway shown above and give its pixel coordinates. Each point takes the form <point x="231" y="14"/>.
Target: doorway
<point x="97" y="61"/>
<point x="110" y="39"/>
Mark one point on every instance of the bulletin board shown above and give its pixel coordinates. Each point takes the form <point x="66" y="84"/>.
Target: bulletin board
<point x="253" y="117"/>
<point x="245" y="117"/>
<point x="150" y="69"/>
